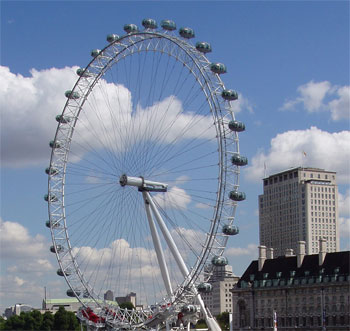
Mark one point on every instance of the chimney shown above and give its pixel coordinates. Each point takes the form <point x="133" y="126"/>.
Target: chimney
<point x="289" y="252"/>
<point x="270" y="253"/>
<point x="322" y="251"/>
<point x="262" y="256"/>
<point x="300" y="253"/>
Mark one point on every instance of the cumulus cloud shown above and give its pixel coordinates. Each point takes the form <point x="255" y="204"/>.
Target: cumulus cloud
<point x="322" y="96"/>
<point x="175" y="198"/>
<point x="17" y="243"/>
<point x="28" y="109"/>
<point x="250" y="250"/>
<point x="29" y="106"/>
<point x="329" y="151"/>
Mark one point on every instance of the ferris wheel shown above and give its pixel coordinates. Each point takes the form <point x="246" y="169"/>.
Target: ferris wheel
<point x="144" y="178"/>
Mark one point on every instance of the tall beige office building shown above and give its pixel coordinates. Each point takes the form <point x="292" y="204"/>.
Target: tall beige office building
<point x="300" y="204"/>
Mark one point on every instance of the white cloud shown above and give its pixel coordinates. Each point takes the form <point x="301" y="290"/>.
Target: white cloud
<point x="340" y="108"/>
<point x="242" y="103"/>
<point x="29" y="106"/>
<point x="329" y="151"/>
<point x="250" y="250"/>
<point x="314" y="96"/>
<point x="28" y="109"/>
<point x="17" y="243"/>
<point x="344" y="228"/>
<point x="344" y="204"/>
<point x="175" y="198"/>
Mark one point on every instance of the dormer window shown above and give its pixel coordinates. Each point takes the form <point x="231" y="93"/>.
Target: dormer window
<point x="307" y="273"/>
<point x="278" y="274"/>
<point x="292" y="273"/>
<point x="265" y="275"/>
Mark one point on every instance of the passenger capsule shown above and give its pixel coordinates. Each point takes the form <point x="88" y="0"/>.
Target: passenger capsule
<point x="189" y="309"/>
<point x="55" y="144"/>
<point x="130" y="28"/>
<point x="237" y="196"/>
<point x="203" y="47"/>
<point x="187" y="33"/>
<point x="218" y="68"/>
<point x="168" y="25"/>
<point x="230" y="230"/>
<point x="82" y="72"/>
<point x="53" y="198"/>
<point x="51" y="171"/>
<point x="59" y="249"/>
<point x="219" y="261"/>
<point x="236" y="126"/>
<point x="112" y="37"/>
<point x="72" y="95"/>
<point x="71" y="293"/>
<point x="239" y="160"/>
<point x="63" y="119"/>
<point x="95" y="52"/>
<point x="67" y="272"/>
<point x="204" y="288"/>
<point x="229" y="95"/>
<point x="149" y="23"/>
<point x="50" y="224"/>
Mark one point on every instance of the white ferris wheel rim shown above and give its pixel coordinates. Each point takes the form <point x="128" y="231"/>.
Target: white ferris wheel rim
<point x="180" y="50"/>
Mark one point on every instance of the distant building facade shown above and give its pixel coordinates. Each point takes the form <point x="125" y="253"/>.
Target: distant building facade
<point x="17" y="309"/>
<point x="300" y="204"/>
<point x="303" y="292"/>
<point x="219" y="300"/>
<point x="108" y="295"/>
<point x="131" y="297"/>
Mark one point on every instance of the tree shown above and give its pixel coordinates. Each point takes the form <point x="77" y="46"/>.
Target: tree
<point x="2" y="323"/>
<point x="47" y="322"/>
<point x="223" y="320"/>
<point x="127" y="305"/>
<point x="61" y="319"/>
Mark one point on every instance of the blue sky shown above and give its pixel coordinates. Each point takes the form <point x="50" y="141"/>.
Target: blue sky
<point x="288" y="60"/>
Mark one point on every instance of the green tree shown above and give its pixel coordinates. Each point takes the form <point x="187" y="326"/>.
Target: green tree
<point x="2" y="323"/>
<point x="61" y="319"/>
<point x="73" y="322"/>
<point x="15" y="322"/>
<point x="127" y="305"/>
<point x="201" y="324"/>
<point x="47" y="322"/>
<point x="223" y="320"/>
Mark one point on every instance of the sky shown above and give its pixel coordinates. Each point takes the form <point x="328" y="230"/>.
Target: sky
<point x="289" y="62"/>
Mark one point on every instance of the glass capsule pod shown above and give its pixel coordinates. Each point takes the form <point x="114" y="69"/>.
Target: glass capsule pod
<point x="168" y="25"/>
<point x="204" y="287"/>
<point x="82" y="72"/>
<point x="72" y="95"/>
<point x="59" y="248"/>
<point x="71" y="293"/>
<point x="149" y="23"/>
<point x="112" y="37"/>
<point x="237" y="196"/>
<point x="236" y="126"/>
<point x="239" y="160"/>
<point x="230" y="230"/>
<point x="130" y="28"/>
<point x="189" y="309"/>
<point x="95" y="52"/>
<point x="61" y="273"/>
<point x="186" y="33"/>
<point x="218" y="68"/>
<point x="54" y="144"/>
<point x="50" y="224"/>
<point x="203" y="47"/>
<point x="219" y="261"/>
<point x="229" y="95"/>
<point x="63" y="119"/>
<point x="51" y="171"/>
<point x="53" y="198"/>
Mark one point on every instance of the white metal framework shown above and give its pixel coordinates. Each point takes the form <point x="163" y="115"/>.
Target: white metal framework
<point x="141" y="176"/>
